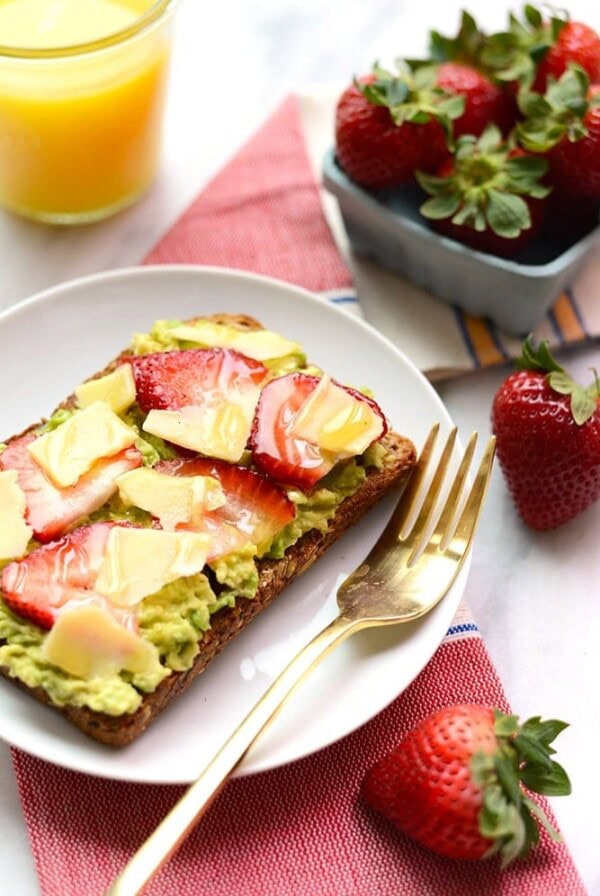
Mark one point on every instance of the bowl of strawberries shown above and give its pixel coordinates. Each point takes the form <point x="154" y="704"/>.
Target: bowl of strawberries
<point x="475" y="173"/>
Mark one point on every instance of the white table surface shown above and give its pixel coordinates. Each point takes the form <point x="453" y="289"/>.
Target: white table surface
<point x="536" y="597"/>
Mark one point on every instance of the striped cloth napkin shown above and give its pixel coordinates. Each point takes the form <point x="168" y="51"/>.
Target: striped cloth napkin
<point x="299" y="830"/>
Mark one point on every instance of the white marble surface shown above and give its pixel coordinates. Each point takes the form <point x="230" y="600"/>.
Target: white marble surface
<point x="535" y="596"/>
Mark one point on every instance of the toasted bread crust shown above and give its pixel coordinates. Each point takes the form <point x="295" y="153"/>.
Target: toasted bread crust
<point x="274" y="576"/>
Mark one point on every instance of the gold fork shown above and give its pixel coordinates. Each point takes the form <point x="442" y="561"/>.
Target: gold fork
<point x="405" y="575"/>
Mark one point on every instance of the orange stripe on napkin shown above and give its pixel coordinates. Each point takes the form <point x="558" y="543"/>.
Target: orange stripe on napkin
<point x="566" y="319"/>
<point x="482" y="341"/>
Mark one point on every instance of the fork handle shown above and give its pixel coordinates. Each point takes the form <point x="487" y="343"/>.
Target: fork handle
<point x="191" y="807"/>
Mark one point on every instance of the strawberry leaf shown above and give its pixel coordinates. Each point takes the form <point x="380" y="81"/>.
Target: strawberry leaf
<point x="466" y="214"/>
<point x="561" y="382"/>
<point x="425" y="77"/>
<point x="505" y="725"/>
<point x="558" y="114"/>
<point x="537" y="358"/>
<point x="551" y="781"/>
<point x="453" y="106"/>
<point x="516" y="845"/>
<point x="533" y="15"/>
<point x="526" y="168"/>
<point x="533" y="105"/>
<point x="532" y="834"/>
<point x="532" y="751"/>
<point x="507" y="773"/>
<point x="465" y="47"/>
<point x="583" y="406"/>
<point x="489" y="139"/>
<point x="435" y="186"/>
<point x="594" y="389"/>
<point x="546" y="731"/>
<point x="507" y="214"/>
<point x="539" y="813"/>
<point x="439" y="207"/>
<point x="495" y="819"/>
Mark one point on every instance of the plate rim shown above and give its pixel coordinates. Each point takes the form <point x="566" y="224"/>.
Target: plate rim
<point x="142" y="271"/>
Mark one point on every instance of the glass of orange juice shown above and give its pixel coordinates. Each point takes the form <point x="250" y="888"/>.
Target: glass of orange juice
<point x="82" y="86"/>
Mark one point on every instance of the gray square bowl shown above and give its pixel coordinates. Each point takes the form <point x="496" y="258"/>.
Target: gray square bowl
<point x="387" y="227"/>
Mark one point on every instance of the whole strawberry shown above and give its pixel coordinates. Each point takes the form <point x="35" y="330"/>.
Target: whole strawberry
<point x="454" y="783"/>
<point x="535" y="49"/>
<point x="565" y="124"/>
<point x="548" y="440"/>
<point x="485" y="102"/>
<point x="488" y="195"/>
<point x="388" y="125"/>
<point x="576" y="43"/>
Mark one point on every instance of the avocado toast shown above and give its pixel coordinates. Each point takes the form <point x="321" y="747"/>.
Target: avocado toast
<point x="273" y="481"/>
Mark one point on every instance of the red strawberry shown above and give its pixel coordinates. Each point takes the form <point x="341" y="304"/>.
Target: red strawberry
<point x="387" y="126"/>
<point x="485" y="102"/>
<point x="533" y="50"/>
<point x="575" y="166"/>
<point x="454" y="783"/>
<point x="488" y="196"/>
<point x="277" y="453"/>
<point x="51" y="510"/>
<point x="548" y="440"/>
<point x="64" y="571"/>
<point x="565" y="124"/>
<point x="576" y="43"/>
<point x="172" y="380"/>
<point x="256" y="507"/>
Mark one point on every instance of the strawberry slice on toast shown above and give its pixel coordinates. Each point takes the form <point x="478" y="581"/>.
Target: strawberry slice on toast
<point x="51" y="511"/>
<point x="255" y="509"/>
<point x="65" y="571"/>
<point x="279" y="451"/>
<point x="177" y="379"/>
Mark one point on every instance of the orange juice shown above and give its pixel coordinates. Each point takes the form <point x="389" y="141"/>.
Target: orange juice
<point x="81" y="96"/>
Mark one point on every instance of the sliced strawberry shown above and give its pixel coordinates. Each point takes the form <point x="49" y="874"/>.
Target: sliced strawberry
<point x="172" y="380"/>
<point x="275" y="451"/>
<point x="256" y="508"/>
<point x="51" y="511"/>
<point x="64" y="571"/>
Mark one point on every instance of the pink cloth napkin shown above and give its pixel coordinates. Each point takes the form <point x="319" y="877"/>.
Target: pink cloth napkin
<point x="298" y="830"/>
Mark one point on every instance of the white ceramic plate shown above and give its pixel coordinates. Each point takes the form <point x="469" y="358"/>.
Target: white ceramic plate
<point x="53" y="341"/>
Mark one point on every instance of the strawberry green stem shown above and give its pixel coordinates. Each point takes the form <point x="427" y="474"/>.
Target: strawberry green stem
<point x="523" y="757"/>
<point x="583" y="402"/>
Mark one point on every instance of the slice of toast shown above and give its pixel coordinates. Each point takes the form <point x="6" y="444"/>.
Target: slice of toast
<point x="274" y="576"/>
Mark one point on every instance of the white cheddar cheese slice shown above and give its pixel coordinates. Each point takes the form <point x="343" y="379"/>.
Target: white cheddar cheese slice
<point x="336" y="421"/>
<point x="220" y="428"/>
<point x="261" y="345"/>
<point x="14" y="531"/>
<point x="116" y="389"/>
<point x="139" y="562"/>
<point x="88" y="642"/>
<point x="171" y="499"/>
<point x="72" y="449"/>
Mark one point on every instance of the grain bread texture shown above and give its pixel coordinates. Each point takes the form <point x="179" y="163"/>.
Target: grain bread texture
<point x="274" y="577"/>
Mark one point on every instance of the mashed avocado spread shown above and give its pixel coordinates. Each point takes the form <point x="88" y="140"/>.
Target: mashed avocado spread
<point x="175" y="618"/>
